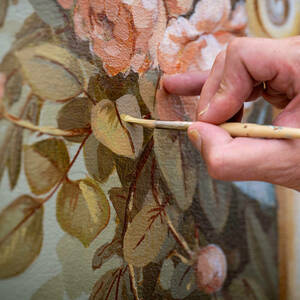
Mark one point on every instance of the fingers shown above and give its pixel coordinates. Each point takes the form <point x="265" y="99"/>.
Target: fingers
<point x="186" y="84"/>
<point x="248" y="62"/>
<point x="230" y="158"/>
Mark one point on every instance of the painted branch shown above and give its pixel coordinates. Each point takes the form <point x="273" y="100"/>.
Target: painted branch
<point x="234" y="129"/>
<point x="45" y="129"/>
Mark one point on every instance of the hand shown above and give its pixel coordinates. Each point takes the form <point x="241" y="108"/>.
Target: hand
<point x="237" y="76"/>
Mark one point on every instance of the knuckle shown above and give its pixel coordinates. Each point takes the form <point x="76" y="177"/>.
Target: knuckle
<point x="235" y="45"/>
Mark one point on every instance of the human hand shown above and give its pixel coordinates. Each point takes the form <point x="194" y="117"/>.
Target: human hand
<point x="236" y="77"/>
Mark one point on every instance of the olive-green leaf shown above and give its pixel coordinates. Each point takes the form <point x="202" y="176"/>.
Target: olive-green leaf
<point x="3" y="11"/>
<point x="111" y="286"/>
<point x="262" y="255"/>
<point x="14" y="81"/>
<point x="106" y="252"/>
<point x="74" y="115"/>
<point x="82" y="209"/>
<point x="21" y="235"/>
<point x="246" y="288"/>
<point x="49" y="11"/>
<point x="14" y="156"/>
<point x="215" y="198"/>
<point x="52" y="72"/>
<point x="145" y="236"/>
<point x="147" y="87"/>
<point x="98" y="159"/>
<point x="183" y="281"/>
<point x="120" y="138"/>
<point x="45" y="163"/>
<point x="174" y="157"/>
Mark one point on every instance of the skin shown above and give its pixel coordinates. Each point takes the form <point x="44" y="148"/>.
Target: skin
<point x="236" y="77"/>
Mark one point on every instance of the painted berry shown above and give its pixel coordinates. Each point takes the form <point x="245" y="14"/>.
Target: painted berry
<point x="210" y="268"/>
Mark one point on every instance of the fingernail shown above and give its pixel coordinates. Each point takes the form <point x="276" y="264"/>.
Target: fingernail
<point x="195" y="137"/>
<point x="202" y="112"/>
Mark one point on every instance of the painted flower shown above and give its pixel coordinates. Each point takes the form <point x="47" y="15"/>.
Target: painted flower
<point x="192" y="45"/>
<point x="178" y="7"/>
<point x="123" y="33"/>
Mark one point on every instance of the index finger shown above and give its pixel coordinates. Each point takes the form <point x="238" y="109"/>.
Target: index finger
<point x="248" y="61"/>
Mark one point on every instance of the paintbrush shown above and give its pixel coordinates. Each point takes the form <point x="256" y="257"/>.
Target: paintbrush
<point x="234" y="129"/>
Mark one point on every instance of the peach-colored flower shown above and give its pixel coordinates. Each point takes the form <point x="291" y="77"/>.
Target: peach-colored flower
<point x="66" y="4"/>
<point x="178" y="7"/>
<point x="122" y="32"/>
<point x="193" y="44"/>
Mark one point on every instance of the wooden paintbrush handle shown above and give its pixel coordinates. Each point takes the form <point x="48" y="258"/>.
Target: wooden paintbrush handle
<point x="234" y="129"/>
<point x="261" y="131"/>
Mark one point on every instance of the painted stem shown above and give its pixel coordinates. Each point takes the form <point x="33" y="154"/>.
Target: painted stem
<point x="133" y="282"/>
<point x="45" y="129"/>
<point x="48" y="197"/>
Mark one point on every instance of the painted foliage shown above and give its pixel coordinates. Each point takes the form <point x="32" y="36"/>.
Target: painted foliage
<point x="174" y="233"/>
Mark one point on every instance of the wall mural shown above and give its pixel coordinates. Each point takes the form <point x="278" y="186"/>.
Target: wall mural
<point x="140" y="218"/>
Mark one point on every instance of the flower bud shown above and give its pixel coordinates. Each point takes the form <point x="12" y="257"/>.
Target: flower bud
<point x="210" y="268"/>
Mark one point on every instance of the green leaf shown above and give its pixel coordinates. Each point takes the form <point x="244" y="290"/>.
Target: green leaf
<point x="126" y="169"/>
<point x="52" y="72"/>
<point x="33" y="110"/>
<point x="166" y="274"/>
<point x="118" y="197"/>
<point x="147" y="87"/>
<point x="145" y="236"/>
<point x="74" y="115"/>
<point x="33" y="32"/>
<point x="183" y="281"/>
<point x="175" y="161"/>
<point x="120" y="138"/>
<point x="246" y="288"/>
<point x="214" y="198"/>
<point x="111" y="286"/>
<point x="262" y="254"/>
<point x="82" y="209"/>
<point x="10" y="66"/>
<point x="3" y="11"/>
<point x="106" y="252"/>
<point x="21" y="235"/>
<point x="45" y="163"/>
<point x="98" y="159"/>
<point x="49" y="11"/>
<point x="14" y="156"/>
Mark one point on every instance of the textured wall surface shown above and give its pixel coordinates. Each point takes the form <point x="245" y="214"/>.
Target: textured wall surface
<point x="93" y="207"/>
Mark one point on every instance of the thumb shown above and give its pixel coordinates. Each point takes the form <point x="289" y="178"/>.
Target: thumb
<point x="231" y="159"/>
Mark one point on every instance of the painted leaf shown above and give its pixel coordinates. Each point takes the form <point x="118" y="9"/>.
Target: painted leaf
<point x="106" y="252"/>
<point x="121" y="138"/>
<point x="14" y="156"/>
<point x="45" y="163"/>
<point x="144" y="236"/>
<point x="261" y="252"/>
<point x="33" y="110"/>
<point x="3" y="11"/>
<point x="183" y="281"/>
<point x="215" y="198"/>
<point x="176" y="164"/>
<point x="82" y="209"/>
<point x="21" y="235"/>
<point x="14" y="81"/>
<point x="118" y="197"/>
<point x="166" y="274"/>
<point x="111" y="286"/>
<point x="49" y="11"/>
<point x="98" y="159"/>
<point x="126" y="169"/>
<point x="52" y="72"/>
<point x="147" y="87"/>
<point x="74" y="115"/>
<point x="246" y="288"/>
